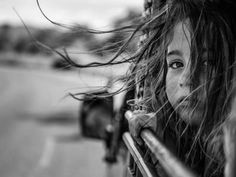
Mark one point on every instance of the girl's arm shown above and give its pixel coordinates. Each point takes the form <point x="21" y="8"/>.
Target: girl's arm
<point x="139" y="120"/>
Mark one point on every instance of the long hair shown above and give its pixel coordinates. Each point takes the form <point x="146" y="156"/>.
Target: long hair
<point x="212" y="28"/>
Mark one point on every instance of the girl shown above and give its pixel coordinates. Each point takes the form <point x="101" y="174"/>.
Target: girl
<point x="188" y="78"/>
<point x="187" y="63"/>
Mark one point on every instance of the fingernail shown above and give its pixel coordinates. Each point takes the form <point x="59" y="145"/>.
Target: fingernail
<point x="128" y="115"/>
<point x="152" y="114"/>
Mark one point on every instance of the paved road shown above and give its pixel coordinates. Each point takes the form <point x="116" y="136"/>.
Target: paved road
<point x="38" y="129"/>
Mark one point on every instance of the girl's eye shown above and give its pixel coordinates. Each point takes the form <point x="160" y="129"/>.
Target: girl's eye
<point x="176" y="65"/>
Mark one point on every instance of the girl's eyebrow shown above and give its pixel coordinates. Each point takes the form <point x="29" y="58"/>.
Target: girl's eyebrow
<point x="175" y="52"/>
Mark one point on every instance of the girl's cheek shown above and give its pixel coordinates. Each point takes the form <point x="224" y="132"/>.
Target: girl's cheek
<point x="171" y="88"/>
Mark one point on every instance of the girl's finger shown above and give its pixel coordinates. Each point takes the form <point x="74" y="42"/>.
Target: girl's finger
<point x="134" y="126"/>
<point x="128" y="115"/>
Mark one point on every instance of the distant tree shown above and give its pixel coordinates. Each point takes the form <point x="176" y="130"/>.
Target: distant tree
<point x="5" y="37"/>
<point x="61" y="64"/>
<point x="48" y="37"/>
<point x="20" y="45"/>
<point x="33" y="48"/>
<point x="58" y="39"/>
<point x="118" y="39"/>
<point x="132" y="17"/>
<point x="81" y="32"/>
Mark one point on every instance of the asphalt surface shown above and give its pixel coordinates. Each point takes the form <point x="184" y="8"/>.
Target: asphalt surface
<point x="39" y="135"/>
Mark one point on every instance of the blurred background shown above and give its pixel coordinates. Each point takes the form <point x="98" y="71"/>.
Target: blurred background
<point x="40" y="135"/>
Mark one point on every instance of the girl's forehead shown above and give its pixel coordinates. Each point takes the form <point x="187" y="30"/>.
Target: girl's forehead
<point x="181" y="39"/>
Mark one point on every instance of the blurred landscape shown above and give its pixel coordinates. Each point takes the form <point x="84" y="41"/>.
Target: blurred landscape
<point x="33" y="47"/>
<point x="40" y="135"/>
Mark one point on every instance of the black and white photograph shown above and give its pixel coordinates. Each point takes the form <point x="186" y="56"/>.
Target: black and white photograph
<point x="118" y="88"/>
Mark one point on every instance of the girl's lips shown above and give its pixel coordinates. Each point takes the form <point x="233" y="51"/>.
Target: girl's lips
<point x="188" y="103"/>
<point x="183" y="105"/>
<point x="183" y="100"/>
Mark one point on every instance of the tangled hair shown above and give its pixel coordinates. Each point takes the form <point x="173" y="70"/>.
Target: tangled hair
<point x="212" y="29"/>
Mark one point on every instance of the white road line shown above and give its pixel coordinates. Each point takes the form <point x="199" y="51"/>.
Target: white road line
<point x="45" y="158"/>
<point x="47" y="154"/>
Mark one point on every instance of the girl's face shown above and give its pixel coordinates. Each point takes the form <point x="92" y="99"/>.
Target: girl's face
<point x="178" y="73"/>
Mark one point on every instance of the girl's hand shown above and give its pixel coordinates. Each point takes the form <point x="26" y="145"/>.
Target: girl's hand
<point x="139" y="120"/>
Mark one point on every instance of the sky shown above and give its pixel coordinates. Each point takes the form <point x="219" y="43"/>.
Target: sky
<point x="96" y="13"/>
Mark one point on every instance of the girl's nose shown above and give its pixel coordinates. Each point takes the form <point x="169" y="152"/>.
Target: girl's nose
<point x="184" y="80"/>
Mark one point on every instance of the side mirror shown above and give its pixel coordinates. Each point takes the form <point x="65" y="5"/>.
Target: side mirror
<point x="96" y="115"/>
